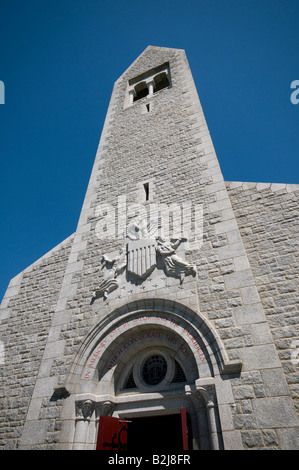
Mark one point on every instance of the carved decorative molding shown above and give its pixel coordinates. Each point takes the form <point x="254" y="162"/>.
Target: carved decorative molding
<point x="106" y="407"/>
<point x="85" y="408"/>
<point x="202" y="395"/>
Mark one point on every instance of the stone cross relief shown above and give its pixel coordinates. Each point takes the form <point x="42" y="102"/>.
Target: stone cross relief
<point x="142" y="254"/>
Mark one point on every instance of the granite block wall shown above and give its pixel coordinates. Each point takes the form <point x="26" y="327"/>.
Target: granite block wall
<point x="26" y="313"/>
<point x="268" y="219"/>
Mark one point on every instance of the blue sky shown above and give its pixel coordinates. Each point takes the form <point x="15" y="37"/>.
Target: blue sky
<point x="58" y="62"/>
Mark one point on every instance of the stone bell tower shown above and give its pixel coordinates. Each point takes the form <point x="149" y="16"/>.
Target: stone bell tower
<point x="150" y="313"/>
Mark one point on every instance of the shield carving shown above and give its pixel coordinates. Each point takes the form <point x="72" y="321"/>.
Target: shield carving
<point x="141" y="257"/>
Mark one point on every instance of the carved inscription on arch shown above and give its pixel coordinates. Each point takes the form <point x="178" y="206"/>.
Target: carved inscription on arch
<point x="181" y="339"/>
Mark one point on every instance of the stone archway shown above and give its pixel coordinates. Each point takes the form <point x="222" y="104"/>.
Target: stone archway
<point x="117" y="349"/>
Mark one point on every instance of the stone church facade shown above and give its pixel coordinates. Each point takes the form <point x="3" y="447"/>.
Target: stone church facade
<point x="172" y="308"/>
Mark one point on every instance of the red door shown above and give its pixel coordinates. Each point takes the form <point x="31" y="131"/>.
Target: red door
<point x="184" y="428"/>
<point x="112" y="434"/>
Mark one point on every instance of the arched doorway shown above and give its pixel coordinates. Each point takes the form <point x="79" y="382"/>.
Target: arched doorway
<point x="155" y="365"/>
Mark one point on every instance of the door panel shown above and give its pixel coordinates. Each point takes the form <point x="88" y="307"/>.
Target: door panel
<point x="112" y="433"/>
<point x="155" y="433"/>
<point x="184" y="428"/>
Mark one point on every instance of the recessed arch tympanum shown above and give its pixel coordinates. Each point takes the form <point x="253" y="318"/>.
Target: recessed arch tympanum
<point x="144" y="344"/>
<point x="102" y="347"/>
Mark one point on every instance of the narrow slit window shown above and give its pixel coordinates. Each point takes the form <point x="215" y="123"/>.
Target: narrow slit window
<point x="146" y="191"/>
